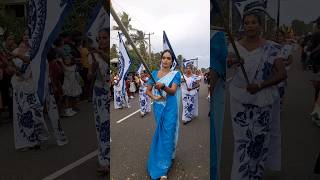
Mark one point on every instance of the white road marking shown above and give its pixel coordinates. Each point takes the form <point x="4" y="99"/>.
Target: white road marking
<point x="83" y="159"/>
<point x="71" y="166"/>
<point x="121" y="120"/>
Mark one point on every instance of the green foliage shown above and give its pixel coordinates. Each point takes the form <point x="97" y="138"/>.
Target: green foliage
<point x="125" y="19"/>
<point x="300" y="27"/>
<point x="113" y="52"/>
<point x="203" y="70"/>
<point x="11" y="23"/>
<point x="79" y="15"/>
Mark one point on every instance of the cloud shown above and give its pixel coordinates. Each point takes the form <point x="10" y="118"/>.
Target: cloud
<point x="186" y="24"/>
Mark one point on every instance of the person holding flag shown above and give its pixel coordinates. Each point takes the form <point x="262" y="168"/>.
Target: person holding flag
<point x="252" y="105"/>
<point x="189" y="94"/>
<point x="117" y="93"/>
<point x="166" y="95"/>
<point x="144" y="99"/>
<point x="99" y="69"/>
<point x="121" y="98"/>
<point x="29" y="127"/>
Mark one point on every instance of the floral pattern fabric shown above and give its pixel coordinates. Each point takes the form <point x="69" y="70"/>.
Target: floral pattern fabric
<point x="189" y="99"/>
<point x="251" y="126"/>
<point x="144" y="99"/>
<point x="28" y="123"/>
<point x="253" y="115"/>
<point x="101" y="107"/>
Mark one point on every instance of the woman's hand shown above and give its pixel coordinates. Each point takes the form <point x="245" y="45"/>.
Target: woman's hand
<point x="159" y="85"/>
<point x="235" y="61"/>
<point x="253" y="88"/>
<point x="157" y="98"/>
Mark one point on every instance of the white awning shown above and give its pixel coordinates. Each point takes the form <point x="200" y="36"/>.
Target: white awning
<point x="114" y="60"/>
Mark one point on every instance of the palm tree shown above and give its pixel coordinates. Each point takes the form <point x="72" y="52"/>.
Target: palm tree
<point x="140" y="41"/>
<point x="138" y="38"/>
<point x="125" y="19"/>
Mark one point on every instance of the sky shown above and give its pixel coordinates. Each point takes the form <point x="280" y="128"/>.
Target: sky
<point x="186" y="23"/>
<point x="305" y="10"/>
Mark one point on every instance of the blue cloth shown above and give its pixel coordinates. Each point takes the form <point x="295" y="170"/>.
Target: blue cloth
<point x="218" y="53"/>
<point x="166" y="114"/>
<point x="218" y="56"/>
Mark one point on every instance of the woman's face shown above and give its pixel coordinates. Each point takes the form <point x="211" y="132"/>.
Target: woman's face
<point x="10" y="40"/>
<point x="103" y="39"/>
<point x="281" y="38"/>
<point x="25" y="36"/>
<point x="166" y="60"/>
<point x="252" y="27"/>
<point x="188" y="70"/>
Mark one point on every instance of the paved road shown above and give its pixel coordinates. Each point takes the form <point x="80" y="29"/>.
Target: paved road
<point x="36" y="165"/>
<point x="132" y="137"/>
<point x="300" y="137"/>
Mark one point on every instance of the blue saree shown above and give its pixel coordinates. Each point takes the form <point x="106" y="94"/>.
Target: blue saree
<point x="166" y="114"/>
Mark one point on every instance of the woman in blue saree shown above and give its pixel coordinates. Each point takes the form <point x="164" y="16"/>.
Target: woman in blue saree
<point x="166" y="114"/>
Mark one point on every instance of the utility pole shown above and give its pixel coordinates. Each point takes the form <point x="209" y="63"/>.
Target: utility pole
<point x="149" y="34"/>
<point x="278" y="15"/>
<point x="230" y="15"/>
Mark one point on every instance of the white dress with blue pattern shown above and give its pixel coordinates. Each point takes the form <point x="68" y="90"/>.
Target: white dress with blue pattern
<point x="189" y="98"/>
<point x="144" y="99"/>
<point x="28" y="122"/>
<point x="252" y="115"/>
<point x="101" y="107"/>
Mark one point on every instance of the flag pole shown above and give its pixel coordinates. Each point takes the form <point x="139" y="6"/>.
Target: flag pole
<point x="232" y="41"/>
<point x="175" y="58"/>
<point x="126" y="34"/>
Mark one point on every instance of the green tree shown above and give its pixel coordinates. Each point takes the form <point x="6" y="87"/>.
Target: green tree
<point x="203" y="70"/>
<point x="125" y="19"/>
<point x="113" y="52"/>
<point x="300" y="27"/>
<point x="79" y="15"/>
<point x="15" y="25"/>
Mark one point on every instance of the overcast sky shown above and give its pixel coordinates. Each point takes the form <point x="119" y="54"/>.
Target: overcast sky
<point x="305" y="10"/>
<point x="186" y="23"/>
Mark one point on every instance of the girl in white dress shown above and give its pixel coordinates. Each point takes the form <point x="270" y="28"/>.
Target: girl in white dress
<point x="71" y="86"/>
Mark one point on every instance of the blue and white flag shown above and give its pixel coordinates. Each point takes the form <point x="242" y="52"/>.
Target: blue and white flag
<point x="187" y="62"/>
<point x="167" y="45"/>
<point x="124" y="63"/>
<point x="45" y="19"/>
<point x="244" y="6"/>
<point x="99" y="19"/>
<point x="141" y="69"/>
